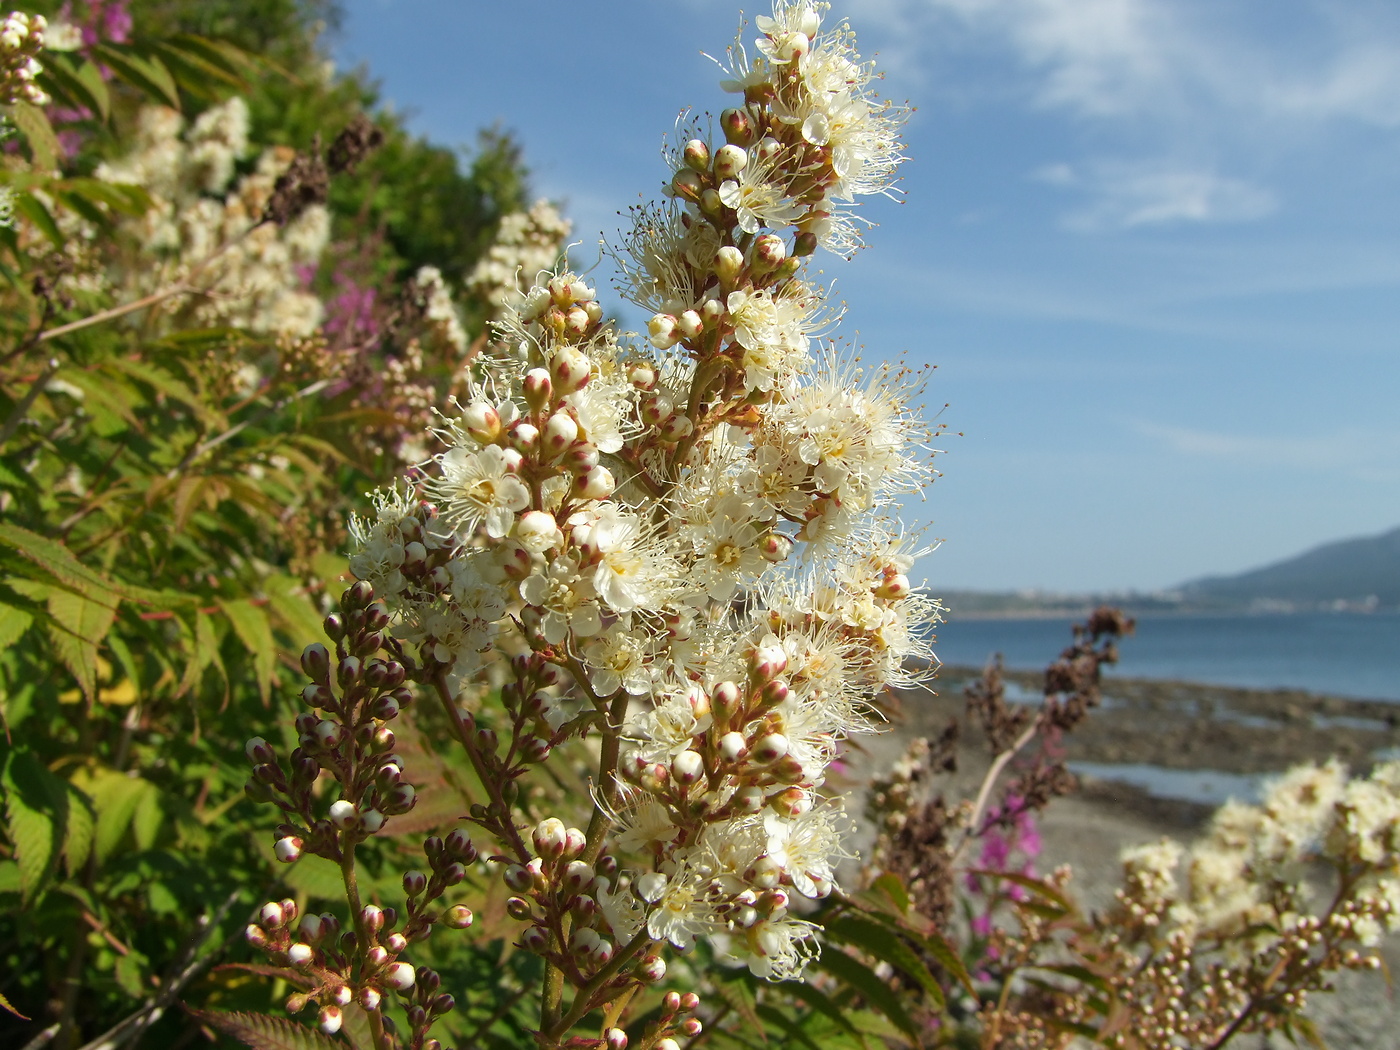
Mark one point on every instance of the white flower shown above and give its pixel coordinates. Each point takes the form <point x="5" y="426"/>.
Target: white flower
<point x="758" y="197"/>
<point x="477" y="488"/>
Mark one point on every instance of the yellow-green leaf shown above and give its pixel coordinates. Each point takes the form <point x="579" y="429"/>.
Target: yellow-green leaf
<point x="13" y="623"/>
<point x="79" y="625"/>
<point x="36" y="814"/>
<point x="35" y="127"/>
<point x="261" y="1032"/>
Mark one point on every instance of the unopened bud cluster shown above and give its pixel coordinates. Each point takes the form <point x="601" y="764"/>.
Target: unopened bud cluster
<point x="21" y="40"/>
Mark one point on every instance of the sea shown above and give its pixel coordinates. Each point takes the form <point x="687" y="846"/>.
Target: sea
<point x="1338" y="654"/>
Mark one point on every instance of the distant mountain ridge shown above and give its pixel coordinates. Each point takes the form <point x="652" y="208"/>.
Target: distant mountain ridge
<point x="1364" y="571"/>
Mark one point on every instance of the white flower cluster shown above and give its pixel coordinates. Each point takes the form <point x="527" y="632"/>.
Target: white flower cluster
<point x="685" y="540"/>
<point x="1245" y="880"/>
<point x="527" y="243"/>
<point x="204" y="223"/>
<point x="21" y="40"/>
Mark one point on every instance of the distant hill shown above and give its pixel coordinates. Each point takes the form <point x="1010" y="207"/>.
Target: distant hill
<point x="1356" y="572"/>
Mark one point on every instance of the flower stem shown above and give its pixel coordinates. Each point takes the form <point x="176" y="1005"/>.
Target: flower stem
<point x="362" y="932"/>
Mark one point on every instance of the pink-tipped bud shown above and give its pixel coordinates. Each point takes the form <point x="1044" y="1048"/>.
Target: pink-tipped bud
<point x="523" y="437"/>
<point x="730" y="160"/>
<point x="575" y="842"/>
<point x="386" y="708"/>
<point x="748" y="799"/>
<point x="317" y="696"/>
<point x="458" y="917"/>
<point x="482" y="422"/>
<point x="767" y="662"/>
<point x="732" y="747"/>
<point x="615" y="1039"/>
<point x="663" y="332"/>
<point x="711" y="203"/>
<point x="400" y="976"/>
<point x="578" y="877"/>
<point x="769" y="251"/>
<point x="774" y="693"/>
<point x="383" y="739"/>
<point x="656" y="410"/>
<point x="690" y="323"/>
<point x="670" y="1003"/>
<point x="343" y="815"/>
<point x="724" y="699"/>
<point x="594" y="483"/>
<point x="641" y="376"/>
<point x="791" y="802"/>
<point x="395" y="943"/>
<point x="516" y="877"/>
<point x="677" y="428"/>
<point x="316" y="662"/>
<point x="689" y="1002"/>
<point x="300" y="954"/>
<point x="287" y="848"/>
<point x="372" y="821"/>
<point x="535" y="749"/>
<point x="377" y="954"/>
<point x="570" y="369"/>
<point x="331" y="1019"/>
<point x="459" y="844"/>
<point x="342" y="995"/>
<point x="273" y="916"/>
<point x="770" y="748"/>
<point x="651" y="969"/>
<point x="370" y="998"/>
<point x="687" y="184"/>
<point x="258" y="752"/>
<point x="692" y="1026"/>
<point x="538" y="389"/>
<point x="256" y="936"/>
<point x="518" y="908"/>
<point x="549" y="837"/>
<point x="738" y="126"/>
<point x="373" y="916"/>
<point x="401" y="799"/>
<point x="534" y="940"/>
<point x="688" y="767"/>
<point x="311" y="928"/>
<point x="697" y="155"/>
<point x="775" y="547"/>
<point x="729" y="263"/>
<point x="329" y="734"/>
<point x="576" y="323"/>
<point x="580" y="457"/>
<point x="893" y="587"/>
<point x="559" y="433"/>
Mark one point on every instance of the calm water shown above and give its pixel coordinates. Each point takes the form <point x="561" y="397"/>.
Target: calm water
<point x="1344" y="654"/>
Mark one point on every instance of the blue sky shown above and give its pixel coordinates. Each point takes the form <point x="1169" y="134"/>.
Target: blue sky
<point x="1153" y="247"/>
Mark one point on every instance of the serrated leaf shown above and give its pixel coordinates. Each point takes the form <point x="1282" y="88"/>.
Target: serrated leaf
<point x="251" y="625"/>
<point x="147" y="818"/>
<point x="737" y="992"/>
<point x="315" y="877"/>
<point x="80" y="623"/>
<point x="82" y="827"/>
<point x="148" y="73"/>
<point x="5" y="1003"/>
<point x="301" y="621"/>
<point x="13" y="623"/>
<point x="261" y="1032"/>
<point x="58" y="563"/>
<point x="891" y="887"/>
<point x="115" y="797"/>
<point x="36" y="807"/>
<point x="883" y="943"/>
<point x="35" y="126"/>
<point x="872" y="989"/>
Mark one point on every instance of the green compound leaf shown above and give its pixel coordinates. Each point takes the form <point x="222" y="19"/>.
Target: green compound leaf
<point x="261" y="1032"/>
<point x="36" y="808"/>
<point x="79" y="625"/>
<point x="881" y="942"/>
<point x="251" y="625"/>
<point x="865" y="981"/>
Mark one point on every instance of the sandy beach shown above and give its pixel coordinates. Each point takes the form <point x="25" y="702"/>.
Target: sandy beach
<point x="1177" y="727"/>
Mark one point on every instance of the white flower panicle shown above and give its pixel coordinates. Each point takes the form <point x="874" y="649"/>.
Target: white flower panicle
<point x="682" y="540"/>
<point x="527" y="243"/>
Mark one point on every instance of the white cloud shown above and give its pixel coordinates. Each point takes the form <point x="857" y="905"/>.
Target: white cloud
<point x="1128" y="196"/>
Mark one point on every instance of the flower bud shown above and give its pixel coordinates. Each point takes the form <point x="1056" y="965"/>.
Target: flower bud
<point x="559" y="433"/>
<point x="732" y="746"/>
<point x="767" y="662"/>
<point x="805" y="244"/>
<point x="580" y="457"/>
<point x="272" y="915"/>
<point x="256" y="936"/>
<point x="729" y="263"/>
<point x="331" y="1019"/>
<point x="549" y="837"/>
<point x="738" y="126"/>
<point x="677" y="428"/>
<point x="578" y="877"/>
<point x="651" y="969"/>
<point x="688" y="767"/>
<point x="576" y="323"/>
<point x="401" y="799"/>
<point x="769" y="251"/>
<point x="347" y="671"/>
<point x="893" y="587"/>
<point x="535" y="749"/>
<point x="730" y="160"/>
<point x="671" y="1003"/>
<point x="287" y="848"/>
<point x="259" y="753"/>
<point x="595" y="483"/>
<point x="400" y="976"/>
<point x="334" y="627"/>
<point x="775" y="547"/>
<point x="317" y="696"/>
<point x="522" y="436"/>
<point x="385" y="708"/>
<point x="343" y="815"/>
<point x="516" y="877"/>
<point x="459" y="844"/>
<point x="687" y="184"/>
<point x="534" y="940"/>
<point x="518" y="908"/>
<point x="770" y="748"/>
<point x="711" y="203"/>
<point x="538" y="389"/>
<point x="377" y="954"/>
<point x="442" y="1004"/>
<point x="382" y="741"/>
<point x="791" y="802"/>
<point x="697" y="155"/>
<point x="370" y="998"/>
<point x="663" y="331"/>
<point x="372" y="915"/>
<point x="481" y="421"/>
<point x="396" y="942"/>
<point x="570" y="370"/>
<point x="312" y="928"/>
<point x="458" y="917"/>
<point x="642" y="376"/>
<point x="575" y="842"/>
<point x="692" y="1026"/>
<point x="748" y="799"/>
<point x="774" y="693"/>
<point x="656" y="410"/>
<point x="615" y="1038"/>
<point x="300" y="954"/>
